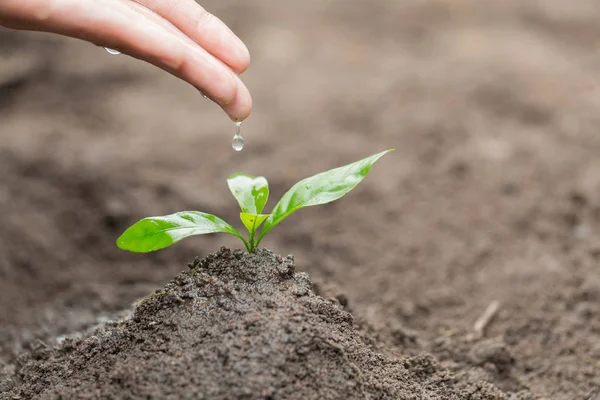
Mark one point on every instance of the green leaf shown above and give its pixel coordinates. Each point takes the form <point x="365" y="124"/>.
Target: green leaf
<point x="250" y="192"/>
<point x="253" y="221"/>
<point x="320" y="189"/>
<point x="155" y="233"/>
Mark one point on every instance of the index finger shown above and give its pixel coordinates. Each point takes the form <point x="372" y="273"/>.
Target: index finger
<point x="205" y="29"/>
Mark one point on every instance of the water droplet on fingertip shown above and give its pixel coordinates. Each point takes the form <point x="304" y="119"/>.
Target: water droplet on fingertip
<point x="203" y="95"/>
<point x="112" y="51"/>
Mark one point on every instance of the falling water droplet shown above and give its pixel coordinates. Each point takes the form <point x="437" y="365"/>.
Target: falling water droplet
<point x="112" y="51"/>
<point x="238" y="141"/>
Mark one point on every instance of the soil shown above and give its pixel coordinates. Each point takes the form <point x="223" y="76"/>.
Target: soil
<point x="235" y="326"/>
<point x="492" y="194"/>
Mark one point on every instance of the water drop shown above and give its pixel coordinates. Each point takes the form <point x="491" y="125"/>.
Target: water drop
<point x="238" y="141"/>
<point x="202" y="93"/>
<point x="112" y="51"/>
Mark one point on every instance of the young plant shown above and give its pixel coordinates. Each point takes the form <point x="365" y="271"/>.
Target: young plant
<point x="155" y="233"/>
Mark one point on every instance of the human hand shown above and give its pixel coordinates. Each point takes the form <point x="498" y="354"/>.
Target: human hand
<point x="177" y="36"/>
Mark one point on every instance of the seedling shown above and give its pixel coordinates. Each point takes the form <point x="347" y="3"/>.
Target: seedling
<point x="251" y="193"/>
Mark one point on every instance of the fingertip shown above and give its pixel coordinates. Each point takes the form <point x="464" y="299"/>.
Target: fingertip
<point x="243" y="59"/>
<point x="241" y="107"/>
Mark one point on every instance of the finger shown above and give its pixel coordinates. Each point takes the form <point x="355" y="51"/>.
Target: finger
<point x="242" y="104"/>
<point x="204" y="28"/>
<point x="18" y="14"/>
<point x="239" y="108"/>
<point x="121" y="25"/>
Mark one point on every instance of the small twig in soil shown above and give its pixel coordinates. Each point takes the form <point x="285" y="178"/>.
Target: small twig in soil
<point x="484" y="320"/>
<point x="595" y="396"/>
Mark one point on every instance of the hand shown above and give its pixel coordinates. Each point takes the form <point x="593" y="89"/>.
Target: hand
<point x="178" y="36"/>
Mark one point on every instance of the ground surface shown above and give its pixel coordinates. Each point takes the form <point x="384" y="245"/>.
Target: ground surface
<point x="233" y="316"/>
<point x="493" y="193"/>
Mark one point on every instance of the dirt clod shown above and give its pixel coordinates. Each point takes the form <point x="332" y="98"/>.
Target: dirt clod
<point x="494" y="353"/>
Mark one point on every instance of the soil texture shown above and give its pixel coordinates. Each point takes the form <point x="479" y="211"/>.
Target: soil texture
<point x="477" y="241"/>
<point x="235" y="326"/>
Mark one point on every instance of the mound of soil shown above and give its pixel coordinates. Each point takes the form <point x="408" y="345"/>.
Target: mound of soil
<point x="234" y="326"/>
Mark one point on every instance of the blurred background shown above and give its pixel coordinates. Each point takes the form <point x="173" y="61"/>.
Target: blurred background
<point x="492" y="194"/>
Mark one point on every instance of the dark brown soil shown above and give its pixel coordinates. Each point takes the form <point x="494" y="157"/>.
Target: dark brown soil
<point x="492" y="194"/>
<point x="235" y="326"/>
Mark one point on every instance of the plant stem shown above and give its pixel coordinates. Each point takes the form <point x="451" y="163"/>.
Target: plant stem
<point x="252" y="232"/>
<point x="259" y="239"/>
<point x="262" y="235"/>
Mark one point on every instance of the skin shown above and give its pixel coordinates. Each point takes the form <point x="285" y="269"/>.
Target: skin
<point x="178" y="36"/>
